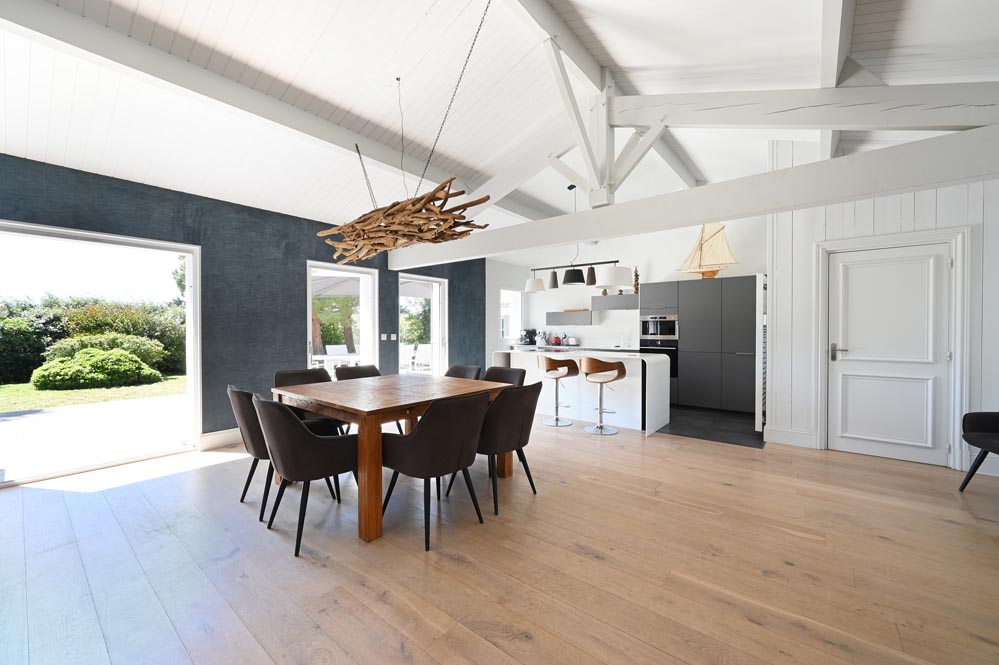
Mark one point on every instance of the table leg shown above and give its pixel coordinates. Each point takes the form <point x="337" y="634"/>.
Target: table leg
<point x="504" y="465"/>
<point x="409" y="424"/>
<point x="369" y="479"/>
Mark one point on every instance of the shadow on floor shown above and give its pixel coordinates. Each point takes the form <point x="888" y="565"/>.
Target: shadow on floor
<point x="722" y="426"/>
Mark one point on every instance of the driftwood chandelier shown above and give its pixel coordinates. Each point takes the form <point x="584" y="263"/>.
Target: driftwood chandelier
<point x="419" y="219"/>
<point x="422" y="218"/>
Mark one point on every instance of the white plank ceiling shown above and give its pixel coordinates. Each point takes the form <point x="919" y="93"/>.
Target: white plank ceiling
<point x="339" y="59"/>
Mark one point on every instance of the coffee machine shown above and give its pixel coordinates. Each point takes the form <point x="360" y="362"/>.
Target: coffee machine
<point x="527" y="337"/>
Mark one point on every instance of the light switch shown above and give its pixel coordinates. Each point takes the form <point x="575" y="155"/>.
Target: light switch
<point x="384" y="337"/>
<point x="394" y="337"/>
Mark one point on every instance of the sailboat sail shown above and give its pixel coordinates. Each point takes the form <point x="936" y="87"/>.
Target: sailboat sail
<point x="711" y="252"/>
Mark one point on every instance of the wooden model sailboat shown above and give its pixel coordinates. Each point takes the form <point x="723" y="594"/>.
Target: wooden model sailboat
<point x="711" y="253"/>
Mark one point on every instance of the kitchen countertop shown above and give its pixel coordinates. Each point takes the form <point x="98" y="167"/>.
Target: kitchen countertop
<point x="581" y="350"/>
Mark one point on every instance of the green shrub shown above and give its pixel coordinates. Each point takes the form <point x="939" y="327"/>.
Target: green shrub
<point x="21" y="349"/>
<point x="149" y="351"/>
<point x="163" y="323"/>
<point x="94" y="368"/>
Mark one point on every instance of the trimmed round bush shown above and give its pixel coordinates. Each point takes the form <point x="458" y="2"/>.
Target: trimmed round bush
<point x="21" y="349"/>
<point x="165" y="324"/>
<point x="94" y="368"/>
<point x="149" y="351"/>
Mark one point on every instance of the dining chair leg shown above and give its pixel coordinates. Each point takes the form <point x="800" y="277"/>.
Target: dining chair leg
<point x="249" y="477"/>
<point x="336" y="484"/>
<point x="527" y="469"/>
<point x="301" y="516"/>
<point x="982" y="454"/>
<point x="332" y="493"/>
<point x="267" y="489"/>
<point x="451" y="483"/>
<point x="388" y="495"/>
<point x="426" y="514"/>
<point x="398" y="426"/>
<point x="438" y="488"/>
<point x="493" y="474"/>
<point x="277" y="501"/>
<point x="471" y="493"/>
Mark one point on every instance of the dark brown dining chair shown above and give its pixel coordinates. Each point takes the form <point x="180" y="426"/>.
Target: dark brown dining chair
<point x="507" y="428"/>
<point x="359" y="372"/>
<point x="463" y="371"/>
<point x="980" y="429"/>
<point x="300" y="455"/>
<point x="346" y="373"/>
<point x="253" y="440"/>
<point x="443" y="442"/>
<point x="300" y="377"/>
<point x="511" y="375"/>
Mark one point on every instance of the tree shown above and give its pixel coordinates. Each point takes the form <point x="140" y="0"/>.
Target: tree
<point x="180" y="276"/>
<point x="336" y="314"/>
<point x="414" y="320"/>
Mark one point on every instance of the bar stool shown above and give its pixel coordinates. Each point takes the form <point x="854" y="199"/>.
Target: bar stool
<point x="557" y="369"/>
<point x="601" y="373"/>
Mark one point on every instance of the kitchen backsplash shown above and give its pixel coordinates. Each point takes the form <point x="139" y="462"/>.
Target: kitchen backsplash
<point x="612" y="328"/>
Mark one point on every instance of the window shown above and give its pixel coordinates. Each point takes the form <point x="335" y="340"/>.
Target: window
<point x="510" y="314"/>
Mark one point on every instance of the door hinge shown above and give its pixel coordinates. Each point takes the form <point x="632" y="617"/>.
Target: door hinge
<point x="950" y="263"/>
<point x="949" y="356"/>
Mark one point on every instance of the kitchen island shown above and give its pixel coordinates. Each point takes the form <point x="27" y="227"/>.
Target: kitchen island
<point x="640" y="400"/>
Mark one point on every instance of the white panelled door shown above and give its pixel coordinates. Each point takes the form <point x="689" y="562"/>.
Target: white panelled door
<point x="889" y="349"/>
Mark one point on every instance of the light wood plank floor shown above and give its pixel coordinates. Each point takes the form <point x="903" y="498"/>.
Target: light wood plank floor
<point x="660" y="550"/>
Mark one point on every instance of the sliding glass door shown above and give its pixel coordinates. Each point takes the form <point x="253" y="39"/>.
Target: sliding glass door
<point x="422" y="325"/>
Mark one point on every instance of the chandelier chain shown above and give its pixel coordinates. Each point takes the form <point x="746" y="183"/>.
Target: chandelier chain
<point x="454" y="93"/>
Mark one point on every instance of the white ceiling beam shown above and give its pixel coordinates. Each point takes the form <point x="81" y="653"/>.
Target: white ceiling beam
<point x="837" y="36"/>
<point x="931" y="107"/>
<point x="579" y="132"/>
<point x="55" y="27"/>
<point x="541" y="17"/>
<point x="569" y="173"/>
<point x="945" y="160"/>
<point x="634" y="152"/>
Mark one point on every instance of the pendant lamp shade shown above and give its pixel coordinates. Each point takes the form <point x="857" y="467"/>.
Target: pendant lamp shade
<point x="534" y="284"/>
<point x="573" y="276"/>
<point x="552" y="280"/>
<point x="591" y="276"/>
<point x="613" y="277"/>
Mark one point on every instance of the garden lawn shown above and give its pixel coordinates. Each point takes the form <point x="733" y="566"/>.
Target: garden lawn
<point x="24" y="397"/>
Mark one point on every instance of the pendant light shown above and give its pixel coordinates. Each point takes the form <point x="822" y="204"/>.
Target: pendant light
<point x="573" y="275"/>
<point x="534" y="284"/>
<point x="613" y="278"/>
<point x="552" y="280"/>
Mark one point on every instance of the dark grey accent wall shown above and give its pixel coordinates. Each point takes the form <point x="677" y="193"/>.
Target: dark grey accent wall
<point x="253" y="276"/>
<point x="466" y="309"/>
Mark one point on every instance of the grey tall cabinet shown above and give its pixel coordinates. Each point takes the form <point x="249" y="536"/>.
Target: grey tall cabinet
<point x="716" y="349"/>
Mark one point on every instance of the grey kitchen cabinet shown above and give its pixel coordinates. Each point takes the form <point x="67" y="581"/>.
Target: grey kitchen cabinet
<point x="738" y="314"/>
<point x="700" y="380"/>
<point x="738" y="380"/>
<point x="700" y="315"/>
<point x="657" y="295"/>
<point x="605" y="303"/>
<point x="674" y="390"/>
<point x="584" y="318"/>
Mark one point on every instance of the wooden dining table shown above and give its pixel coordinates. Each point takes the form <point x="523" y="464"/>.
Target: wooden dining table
<point x="372" y="401"/>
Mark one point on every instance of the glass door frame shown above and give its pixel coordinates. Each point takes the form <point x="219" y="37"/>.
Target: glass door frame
<point x="372" y="298"/>
<point x="438" y="318"/>
<point x="192" y="326"/>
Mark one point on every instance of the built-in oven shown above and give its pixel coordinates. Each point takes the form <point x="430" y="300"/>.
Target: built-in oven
<point x="658" y="327"/>
<point x="666" y="347"/>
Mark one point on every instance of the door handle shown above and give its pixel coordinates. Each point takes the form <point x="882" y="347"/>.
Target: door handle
<point x="834" y="351"/>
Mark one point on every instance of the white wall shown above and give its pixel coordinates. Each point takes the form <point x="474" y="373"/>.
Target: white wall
<point x="657" y="257"/>
<point x="499" y="275"/>
<point x="793" y="411"/>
